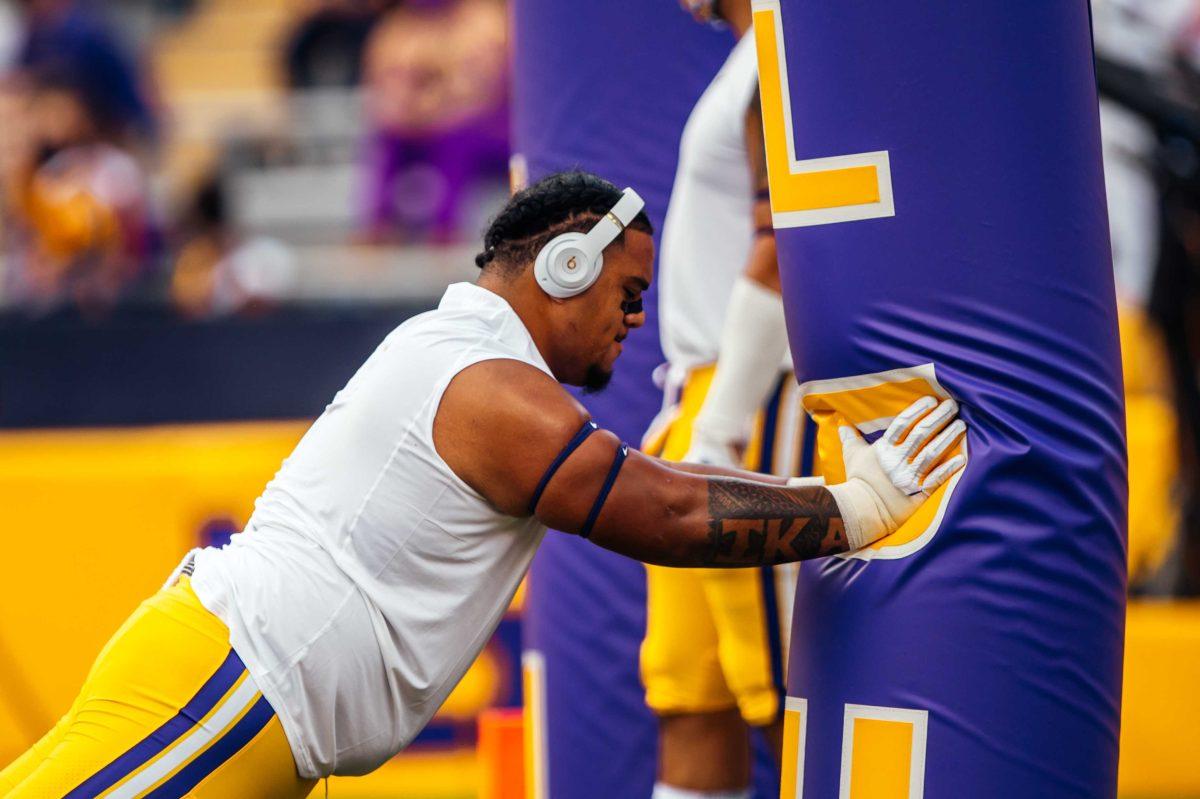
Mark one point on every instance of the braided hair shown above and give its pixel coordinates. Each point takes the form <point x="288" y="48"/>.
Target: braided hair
<point x="559" y="203"/>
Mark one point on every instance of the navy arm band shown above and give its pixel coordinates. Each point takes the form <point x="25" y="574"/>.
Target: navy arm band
<point x="618" y="459"/>
<point x="588" y="428"/>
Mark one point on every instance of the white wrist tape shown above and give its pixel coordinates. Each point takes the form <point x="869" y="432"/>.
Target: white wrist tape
<point x="865" y="519"/>
<point x="753" y="345"/>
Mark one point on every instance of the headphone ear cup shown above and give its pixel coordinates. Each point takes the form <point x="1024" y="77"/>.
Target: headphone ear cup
<point x="563" y="268"/>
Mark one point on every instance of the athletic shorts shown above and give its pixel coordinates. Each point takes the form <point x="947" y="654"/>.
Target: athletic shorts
<point x="168" y="710"/>
<point x="717" y="638"/>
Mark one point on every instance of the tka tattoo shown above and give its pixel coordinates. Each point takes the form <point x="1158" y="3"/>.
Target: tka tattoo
<point x="751" y="524"/>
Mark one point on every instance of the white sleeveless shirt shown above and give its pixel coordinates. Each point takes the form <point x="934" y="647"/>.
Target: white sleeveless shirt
<point x="709" y="228"/>
<point x="370" y="576"/>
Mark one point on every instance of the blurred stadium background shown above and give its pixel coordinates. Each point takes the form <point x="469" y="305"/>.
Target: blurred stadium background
<point x="212" y="210"/>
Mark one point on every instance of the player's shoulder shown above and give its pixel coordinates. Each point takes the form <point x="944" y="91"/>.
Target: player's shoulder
<point x="508" y="393"/>
<point x="486" y="326"/>
<point x="510" y="384"/>
<point x="443" y="323"/>
<point x="437" y="340"/>
<point x="499" y="422"/>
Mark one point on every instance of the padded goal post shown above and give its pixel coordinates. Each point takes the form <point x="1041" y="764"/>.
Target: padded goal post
<point x="937" y="193"/>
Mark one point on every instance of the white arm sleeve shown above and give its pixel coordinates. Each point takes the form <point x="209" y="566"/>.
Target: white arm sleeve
<point x="753" y="345"/>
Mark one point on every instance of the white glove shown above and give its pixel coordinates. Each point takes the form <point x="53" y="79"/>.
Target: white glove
<point x="887" y="481"/>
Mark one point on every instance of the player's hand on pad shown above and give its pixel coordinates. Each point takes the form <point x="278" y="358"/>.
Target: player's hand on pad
<point x="888" y="480"/>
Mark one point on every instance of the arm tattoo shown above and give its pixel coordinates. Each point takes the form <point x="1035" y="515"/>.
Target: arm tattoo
<point x="754" y="524"/>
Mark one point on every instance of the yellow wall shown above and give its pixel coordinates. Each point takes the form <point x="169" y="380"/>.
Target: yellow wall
<point x="1160" y="725"/>
<point x="93" y="522"/>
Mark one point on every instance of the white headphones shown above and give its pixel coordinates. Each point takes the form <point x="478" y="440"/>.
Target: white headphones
<point x="569" y="264"/>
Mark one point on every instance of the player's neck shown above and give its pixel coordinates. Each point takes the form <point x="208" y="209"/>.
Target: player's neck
<point x="523" y="296"/>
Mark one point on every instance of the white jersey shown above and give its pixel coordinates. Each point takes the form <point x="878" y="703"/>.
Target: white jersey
<point x="370" y="576"/>
<point x="709" y="228"/>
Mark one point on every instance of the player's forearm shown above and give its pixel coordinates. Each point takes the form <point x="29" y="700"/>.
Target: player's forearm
<point x="754" y="524"/>
<point x="726" y="522"/>
<point x="663" y="515"/>
<point x="763" y="264"/>
<point x="708" y="470"/>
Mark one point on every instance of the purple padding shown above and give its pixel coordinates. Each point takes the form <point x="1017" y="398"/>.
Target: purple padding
<point x="604" y="86"/>
<point x="1008" y="626"/>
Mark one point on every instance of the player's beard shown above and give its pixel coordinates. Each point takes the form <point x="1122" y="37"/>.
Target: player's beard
<point x="596" y="379"/>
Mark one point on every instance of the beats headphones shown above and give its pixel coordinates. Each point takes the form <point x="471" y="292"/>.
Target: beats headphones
<point x="570" y="263"/>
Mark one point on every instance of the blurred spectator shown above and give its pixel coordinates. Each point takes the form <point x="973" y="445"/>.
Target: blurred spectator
<point x="66" y="43"/>
<point x="78" y="202"/>
<point x="217" y="272"/>
<point x="436" y="76"/>
<point x="1141" y="36"/>
<point x="1140" y="45"/>
<point x="326" y="48"/>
